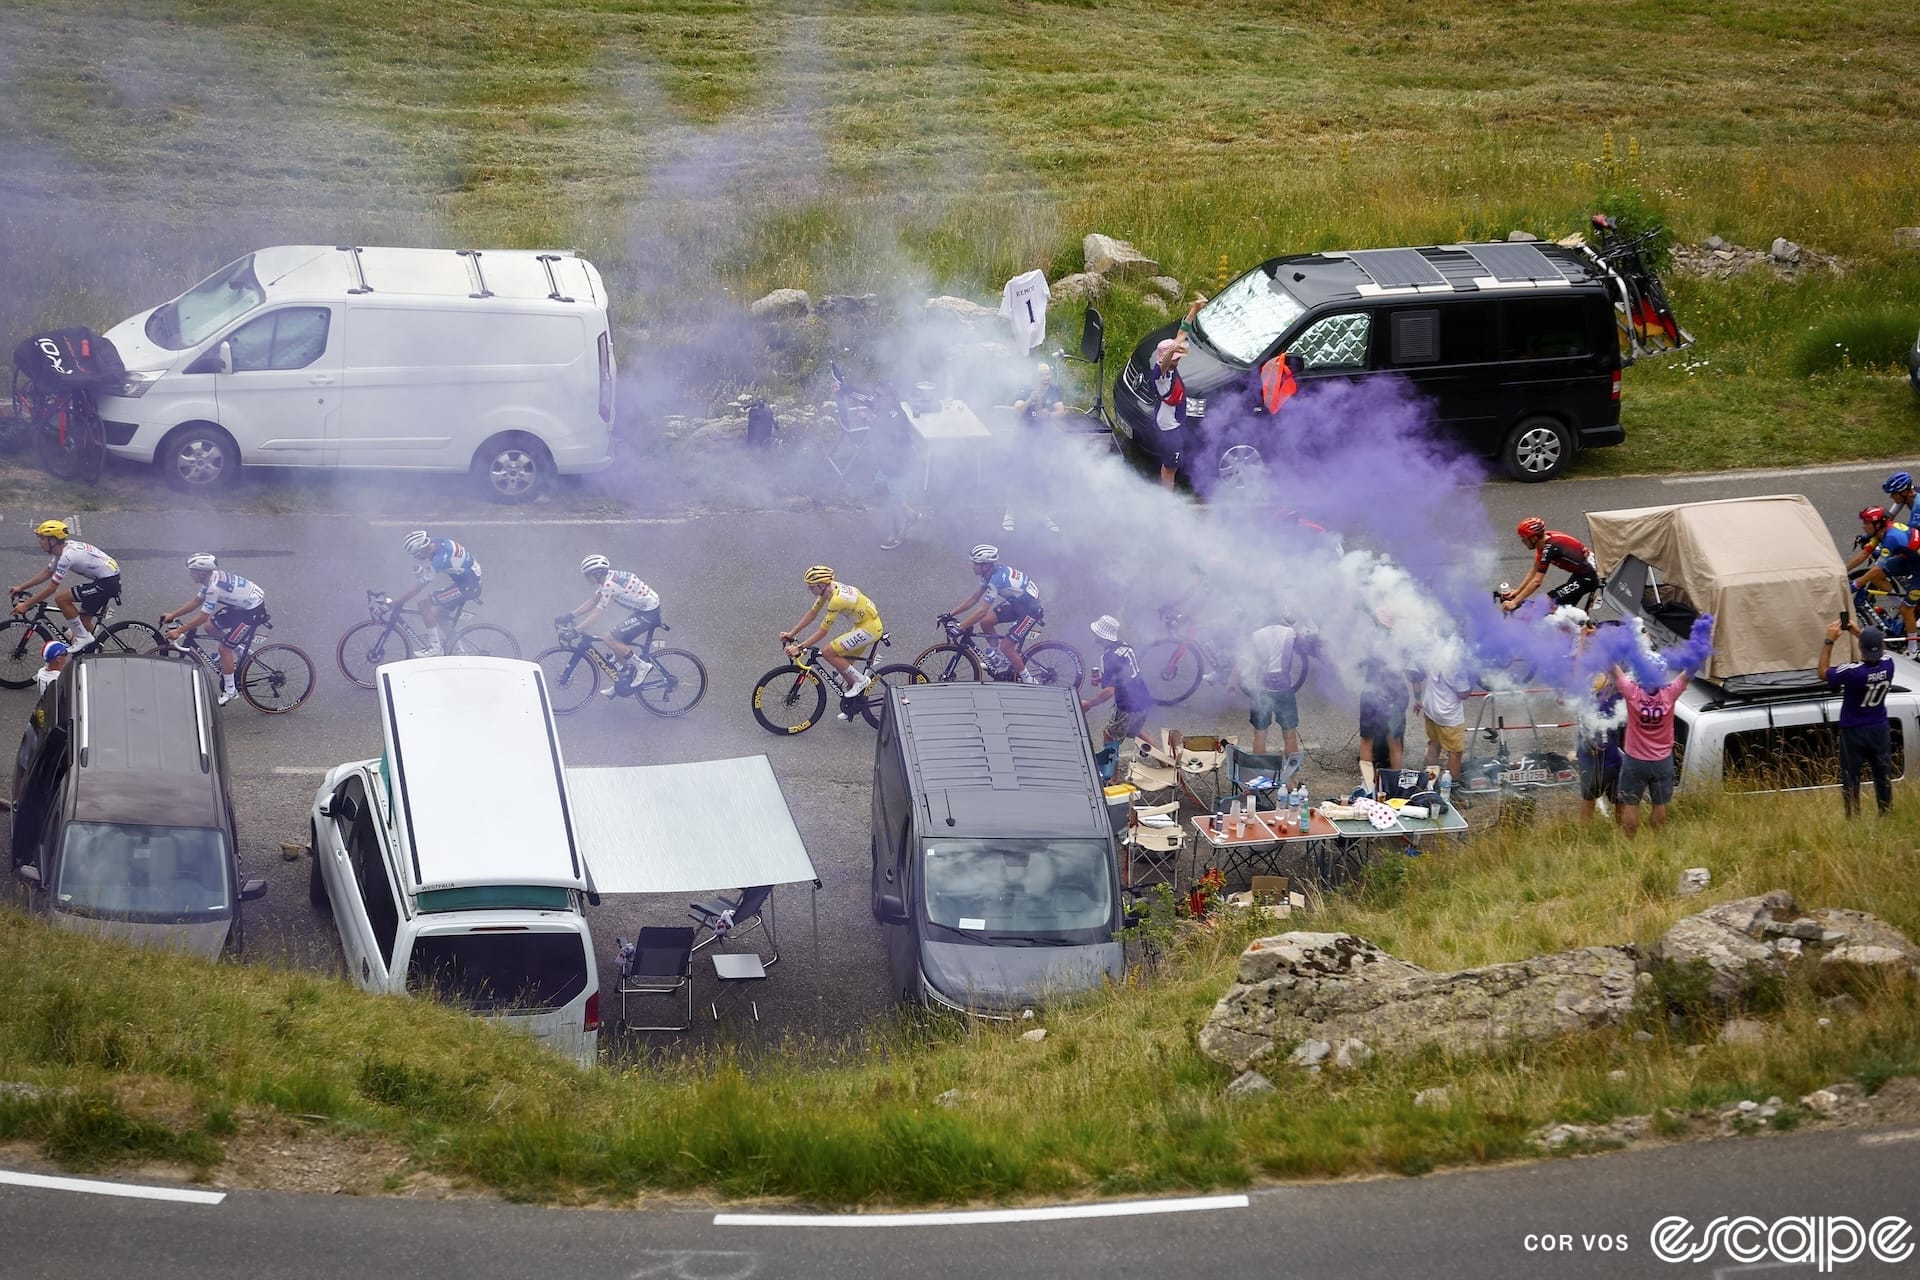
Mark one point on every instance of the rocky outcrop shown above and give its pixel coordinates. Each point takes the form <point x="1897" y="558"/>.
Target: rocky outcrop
<point x="964" y="310"/>
<point x="1081" y="286"/>
<point x="1721" y="259"/>
<point x="781" y="304"/>
<point x="1751" y="940"/>
<point x="1106" y="256"/>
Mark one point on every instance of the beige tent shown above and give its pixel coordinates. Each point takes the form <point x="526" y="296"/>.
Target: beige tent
<point x="1765" y="568"/>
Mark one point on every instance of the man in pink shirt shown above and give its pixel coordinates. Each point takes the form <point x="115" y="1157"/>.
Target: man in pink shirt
<point x="1646" y="757"/>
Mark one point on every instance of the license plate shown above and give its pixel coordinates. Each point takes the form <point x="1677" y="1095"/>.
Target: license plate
<point x="1522" y="777"/>
<point x="1121" y="425"/>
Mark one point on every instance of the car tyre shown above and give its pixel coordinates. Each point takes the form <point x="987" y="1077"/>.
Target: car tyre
<point x="198" y="458"/>
<point x="1538" y="448"/>
<point x="513" y="467"/>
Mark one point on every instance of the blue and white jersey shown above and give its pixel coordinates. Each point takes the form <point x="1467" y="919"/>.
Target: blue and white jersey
<point x="231" y="591"/>
<point x="1007" y="585"/>
<point x="450" y="558"/>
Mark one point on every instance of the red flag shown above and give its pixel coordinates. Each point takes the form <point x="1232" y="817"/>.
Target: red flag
<point x="1276" y="383"/>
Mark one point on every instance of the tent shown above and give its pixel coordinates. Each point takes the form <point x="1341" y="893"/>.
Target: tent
<point x="1764" y="567"/>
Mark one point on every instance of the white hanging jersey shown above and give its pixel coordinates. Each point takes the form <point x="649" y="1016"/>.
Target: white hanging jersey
<point x="85" y="560"/>
<point x="1024" y="303"/>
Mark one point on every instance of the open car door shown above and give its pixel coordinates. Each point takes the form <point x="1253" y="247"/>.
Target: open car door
<point x="1640" y="301"/>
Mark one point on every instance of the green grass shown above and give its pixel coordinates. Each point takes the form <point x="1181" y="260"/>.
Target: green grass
<point x="704" y="151"/>
<point x="153" y="1061"/>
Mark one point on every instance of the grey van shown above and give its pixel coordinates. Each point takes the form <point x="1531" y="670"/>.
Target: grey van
<point x="994" y="877"/>
<point x="122" y="825"/>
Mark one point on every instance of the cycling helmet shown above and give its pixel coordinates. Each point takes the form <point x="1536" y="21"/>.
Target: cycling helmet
<point x="1532" y="527"/>
<point x="54" y="649"/>
<point x="417" y="541"/>
<point x="1874" y="515"/>
<point x="1106" y="626"/>
<point x="985" y="553"/>
<point x="1898" y="482"/>
<point x="818" y="574"/>
<point x="202" y="560"/>
<point x="595" y="564"/>
<point x="51" y="529"/>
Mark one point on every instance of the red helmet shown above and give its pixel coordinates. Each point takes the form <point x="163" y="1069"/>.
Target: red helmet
<point x="1873" y="515"/>
<point x="1532" y="527"/>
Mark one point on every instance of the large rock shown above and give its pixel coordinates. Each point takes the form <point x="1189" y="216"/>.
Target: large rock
<point x="1081" y="286"/>
<point x="1167" y="285"/>
<point x="781" y="304"/>
<point x="1743" y="940"/>
<point x="964" y="310"/>
<point x="1106" y="256"/>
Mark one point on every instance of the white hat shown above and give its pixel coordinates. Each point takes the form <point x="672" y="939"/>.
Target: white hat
<point x="1106" y="626"/>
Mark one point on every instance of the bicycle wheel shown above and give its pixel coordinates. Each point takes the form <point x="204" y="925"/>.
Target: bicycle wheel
<point x="20" y="645"/>
<point x="1056" y="663"/>
<point x="79" y="452"/>
<point x="276" y="678"/>
<point x="946" y="663"/>
<point x="484" y="640"/>
<point x="1171" y="669"/>
<point x="572" y="677"/>
<point x="873" y="700"/>
<point x="788" y="700"/>
<point x="131" y="637"/>
<point x="675" y="685"/>
<point x="366" y="646"/>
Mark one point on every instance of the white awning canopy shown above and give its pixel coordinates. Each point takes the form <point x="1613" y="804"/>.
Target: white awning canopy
<point x="686" y="828"/>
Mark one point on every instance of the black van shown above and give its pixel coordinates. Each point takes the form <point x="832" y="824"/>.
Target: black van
<point x="994" y="876"/>
<point x="1515" y="345"/>
<point x="122" y="825"/>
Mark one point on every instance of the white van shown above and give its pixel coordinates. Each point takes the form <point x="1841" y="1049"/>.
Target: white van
<point x="498" y="362"/>
<point x="450" y="862"/>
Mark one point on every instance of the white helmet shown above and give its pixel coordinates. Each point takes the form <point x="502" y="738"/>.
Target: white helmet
<point x="418" y="541"/>
<point x="201" y="560"/>
<point x="985" y="553"/>
<point x="1106" y="626"/>
<point x="595" y="564"/>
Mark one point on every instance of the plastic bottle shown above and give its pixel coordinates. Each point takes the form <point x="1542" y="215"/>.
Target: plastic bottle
<point x="1446" y="791"/>
<point x="1302" y="807"/>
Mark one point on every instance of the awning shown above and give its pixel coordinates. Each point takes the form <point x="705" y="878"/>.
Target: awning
<point x="686" y="828"/>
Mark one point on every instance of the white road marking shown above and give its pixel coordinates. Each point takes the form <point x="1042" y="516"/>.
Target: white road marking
<point x="509" y="524"/>
<point x="1775" y="473"/>
<point x="1888" y="1139"/>
<point x="130" y="1190"/>
<point x="981" y="1217"/>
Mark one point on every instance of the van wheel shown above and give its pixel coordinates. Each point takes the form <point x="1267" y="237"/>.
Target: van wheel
<point x="1537" y="449"/>
<point x="513" y="467"/>
<point x="316" y="885"/>
<point x="198" y="458"/>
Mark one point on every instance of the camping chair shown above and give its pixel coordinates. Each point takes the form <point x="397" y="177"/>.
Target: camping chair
<point x="748" y="909"/>
<point x="854" y="410"/>
<point x="1240" y="768"/>
<point x="1157" y="847"/>
<point x="1198" y="761"/>
<point x="660" y="964"/>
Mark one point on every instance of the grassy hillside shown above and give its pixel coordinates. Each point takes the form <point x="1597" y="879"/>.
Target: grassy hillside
<point x="711" y="151"/>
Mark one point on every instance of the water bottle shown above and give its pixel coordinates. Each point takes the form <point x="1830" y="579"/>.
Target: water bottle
<point x="1446" y="791"/>
<point x="1301" y="803"/>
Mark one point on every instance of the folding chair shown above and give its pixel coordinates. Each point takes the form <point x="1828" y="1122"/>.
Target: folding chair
<point x="660" y="964"/>
<point x="1198" y="761"/>
<point x="1158" y="847"/>
<point x="856" y="426"/>
<point x="734" y="917"/>
<point x="1274" y="772"/>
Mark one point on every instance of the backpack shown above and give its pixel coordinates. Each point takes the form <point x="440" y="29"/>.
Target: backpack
<point x="761" y="424"/>
<point x="68" y="359"/>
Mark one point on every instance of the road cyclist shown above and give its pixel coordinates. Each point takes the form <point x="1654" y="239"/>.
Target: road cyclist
<point x="86" y="600"/>
<point x="231" y="606"/>
<point x="1004" y="595"/>
<point x="1888" y="560"/>
<point x="620" y="587"/>
<point x="1900" y="497"/>
<point x="1553" y="549"/>
<point x="831" y="600"/>
<point x="432" y="557"/>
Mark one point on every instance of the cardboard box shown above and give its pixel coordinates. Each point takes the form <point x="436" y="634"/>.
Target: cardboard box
<point x="1271" y="896"/>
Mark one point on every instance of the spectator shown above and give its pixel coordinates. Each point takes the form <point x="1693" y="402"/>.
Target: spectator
<point x="1444" y="709"/>
<point x="1865" y="741"/>
<point x="1646" y="759"/>
<point x="1026" y="476"/>
<point x="1383" y="712"/>
<point x="1171" y="415"/>
<point x="1598" y="749"/>
<point x="56" y="653"/>
<point x="1118" y="677"/>
<point x="1267" y="677"/>
<point x="894" y="457"/>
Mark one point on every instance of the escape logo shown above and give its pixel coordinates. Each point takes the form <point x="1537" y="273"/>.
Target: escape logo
<point x="1821" y="1241"/>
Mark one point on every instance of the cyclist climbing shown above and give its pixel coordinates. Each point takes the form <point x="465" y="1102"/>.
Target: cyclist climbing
<point x="1899" y="490"/>
<point x="235" y="607"/>
<point x="81" y="602"/>
<point x="832" y="598"/>
<point x="436" y="556"/>
<point x="1550" y="549"/>
<point x="1004" y="595"/>
<point x="617" y="586"/>
<point x="1894" y="552"/>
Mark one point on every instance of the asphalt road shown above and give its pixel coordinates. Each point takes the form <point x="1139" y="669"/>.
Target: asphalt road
<point x="730" y="584"/>
<point x="1578" y="1219"/>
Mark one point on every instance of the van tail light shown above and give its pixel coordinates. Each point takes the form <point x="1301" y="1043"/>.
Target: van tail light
<point x="592" y="1021"/>
<point x="606" y="378"/>
<point x="1616" y="384"/>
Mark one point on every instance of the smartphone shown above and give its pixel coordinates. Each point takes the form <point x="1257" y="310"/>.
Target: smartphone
<point x="1843" y="619"/>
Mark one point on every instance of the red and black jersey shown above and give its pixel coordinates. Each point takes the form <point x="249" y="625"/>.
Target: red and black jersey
<point x="1561" y="549"/>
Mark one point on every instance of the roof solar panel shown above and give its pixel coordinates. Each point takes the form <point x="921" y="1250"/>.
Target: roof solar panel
<point x="1514" y="262"/>
<point x="1398" y="268"/>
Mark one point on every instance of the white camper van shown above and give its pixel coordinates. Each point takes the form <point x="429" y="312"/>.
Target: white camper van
<point x="498" y="362"/>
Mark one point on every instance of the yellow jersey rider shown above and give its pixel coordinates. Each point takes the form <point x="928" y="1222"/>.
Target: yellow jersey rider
<point x="837" y="601"/>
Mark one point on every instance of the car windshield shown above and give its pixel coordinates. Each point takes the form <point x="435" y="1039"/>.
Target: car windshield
<point x="1244" y="318"/>
<point x="205" y="309"/>
<point x="506" y="971"/>
<point x="153" y="875"/>
<point x="1035" y="892"/>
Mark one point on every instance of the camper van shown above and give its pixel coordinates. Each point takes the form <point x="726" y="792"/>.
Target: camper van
<point x="497" y="362"/>
<point x="994" y="875"/>
<point x="450" y="862"/>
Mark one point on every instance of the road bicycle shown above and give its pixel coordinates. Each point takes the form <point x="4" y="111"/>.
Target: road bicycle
<point x="56" y="376"/>
<point x="1177" y="663"/>
<point x="575" y="666"/>
<point x="22" y="638"/>
<point x="963" y="657"/>
<point x="388" y="636"/>
<point x="791" y="698"/>
<point x="1880" y="607"/>
<point x="274" y="678"/>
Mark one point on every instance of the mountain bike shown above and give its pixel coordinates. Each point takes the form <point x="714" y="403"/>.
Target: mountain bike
<point x="1176" y="664"/>
<point x="274" y="678"/>
<point x="790" y="699"/>
<point x="22" y="638"/>
<point x="962" y="657"/>
<point x="387" y="636"/>
<point x="574" y="667"/>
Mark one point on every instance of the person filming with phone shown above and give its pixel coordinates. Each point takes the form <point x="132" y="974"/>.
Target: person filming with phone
<point x="1865" y="741"/>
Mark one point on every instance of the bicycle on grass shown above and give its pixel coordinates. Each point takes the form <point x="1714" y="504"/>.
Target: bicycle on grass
<point x="1175" y="664"/>
<point x="274" y="678"/>
<point x="56" y="377"/>
<point x="791" y="698"/>
<point x="961" y="656"/>
<point x="22" y="638"/>
<point x="574" y="667"/>
<point x="387" y="636"/>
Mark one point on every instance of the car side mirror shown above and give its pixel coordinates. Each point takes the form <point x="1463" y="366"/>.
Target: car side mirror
<point x="892" y="909"/>
<point x="31" y="874"/>
<point x="252" y="890"/>
<point x="226" y="357"/>
<point x="1093" y="337"/>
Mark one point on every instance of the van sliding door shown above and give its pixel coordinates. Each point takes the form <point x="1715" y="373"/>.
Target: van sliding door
<point x="283" y="399"/>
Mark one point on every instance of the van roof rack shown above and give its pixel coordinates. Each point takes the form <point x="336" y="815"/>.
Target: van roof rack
<point x="553" y="282"/>
<point x="480" y="289"/>
<point x="1767" y="686"/>
<point x="359" y="273"/>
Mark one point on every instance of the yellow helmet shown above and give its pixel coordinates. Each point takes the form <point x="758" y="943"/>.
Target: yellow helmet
<point x="51" y="529"/>
<point x="818" y="574"/>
